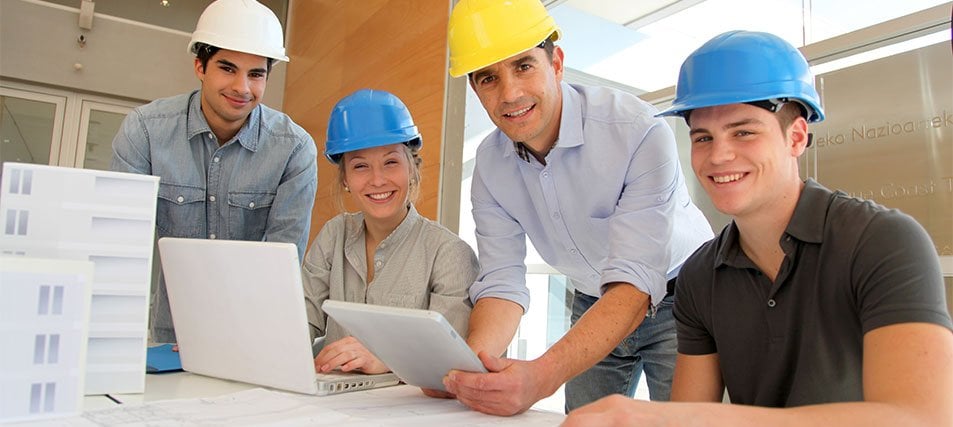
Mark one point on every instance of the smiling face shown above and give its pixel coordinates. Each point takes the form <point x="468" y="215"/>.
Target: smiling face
<point x="379" y="180"/>
<point x="522" y="96"/>
<point x="743" y="159"/>
<point x="232" y="86"/>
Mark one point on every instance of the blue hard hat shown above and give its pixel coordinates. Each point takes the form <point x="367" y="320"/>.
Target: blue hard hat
<point x="369" y="118"/>
<point x="741" y="67"/>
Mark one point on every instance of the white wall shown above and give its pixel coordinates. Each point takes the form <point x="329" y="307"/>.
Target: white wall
<point x="121" y="58"/>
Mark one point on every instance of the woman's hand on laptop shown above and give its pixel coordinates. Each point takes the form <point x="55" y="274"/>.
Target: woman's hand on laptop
<point x="348" y="354"/>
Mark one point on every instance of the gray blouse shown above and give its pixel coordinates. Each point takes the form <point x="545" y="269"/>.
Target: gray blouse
<point x="420" y="265"/>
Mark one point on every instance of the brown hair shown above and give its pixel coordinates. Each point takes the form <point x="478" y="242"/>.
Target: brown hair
<point x="547" y="45"/>
<point x="789" y="112"/>
<point x="204" y="52"/>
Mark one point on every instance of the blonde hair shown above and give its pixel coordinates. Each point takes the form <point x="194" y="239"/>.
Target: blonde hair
<point x="413" y="187"/>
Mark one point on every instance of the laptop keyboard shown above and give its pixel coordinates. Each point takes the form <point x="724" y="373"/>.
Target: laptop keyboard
<point x="329" y="383"/>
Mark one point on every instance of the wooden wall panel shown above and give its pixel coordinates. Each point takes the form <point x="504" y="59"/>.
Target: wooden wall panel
<point x="337" y="47"/>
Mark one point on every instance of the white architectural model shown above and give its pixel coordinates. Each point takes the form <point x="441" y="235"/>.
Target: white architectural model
<point x="104" y="217"/>
<point x="44" y="313"/>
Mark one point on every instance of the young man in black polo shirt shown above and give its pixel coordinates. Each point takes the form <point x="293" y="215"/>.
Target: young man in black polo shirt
<point x="828" y="306"/>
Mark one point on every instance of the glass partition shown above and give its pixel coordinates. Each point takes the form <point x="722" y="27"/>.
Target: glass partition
<point x="30" y="126"/>
<point x="888" y="136"/>
<point x="99" y="123"/>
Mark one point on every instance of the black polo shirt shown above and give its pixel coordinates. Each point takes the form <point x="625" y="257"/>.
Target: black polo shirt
<point x="850" y="266"/>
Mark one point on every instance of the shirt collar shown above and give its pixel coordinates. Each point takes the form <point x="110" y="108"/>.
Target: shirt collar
<point x="810" y="214"/>
<point x="196" y="124"/>
<point x="402" y="230"/>
<point x="571" y="122"/>
<point x="729" y="249"/>
<point x="570" y="125"/>
<point x="806" y="225"/>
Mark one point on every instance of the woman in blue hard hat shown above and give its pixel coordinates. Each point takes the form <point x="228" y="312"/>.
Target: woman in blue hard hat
<point x="386" y="253"/>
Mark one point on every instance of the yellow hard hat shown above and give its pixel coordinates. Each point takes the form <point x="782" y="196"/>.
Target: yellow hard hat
<point x="484" y="32"/>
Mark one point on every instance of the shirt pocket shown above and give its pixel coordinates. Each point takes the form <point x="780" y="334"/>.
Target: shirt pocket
<point x="181" y="211"/>
<point x="394" y="299"/>
<point x="248" y="214"/>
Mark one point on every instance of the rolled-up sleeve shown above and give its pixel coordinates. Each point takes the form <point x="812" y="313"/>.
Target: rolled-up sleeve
<point x="501" y="244"/>
<point x="641" y="227"/>
<point x="316" y="278"/>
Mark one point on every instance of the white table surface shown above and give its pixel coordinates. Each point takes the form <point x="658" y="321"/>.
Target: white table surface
<point x="400" y="399"/>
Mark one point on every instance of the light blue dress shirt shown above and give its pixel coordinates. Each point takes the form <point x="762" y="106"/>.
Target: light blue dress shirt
<point x="258" y="186"/>
<point x="610" y="205"/>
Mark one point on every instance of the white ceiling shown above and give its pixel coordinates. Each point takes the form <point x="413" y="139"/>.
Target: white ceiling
<point x="631" y="14"/>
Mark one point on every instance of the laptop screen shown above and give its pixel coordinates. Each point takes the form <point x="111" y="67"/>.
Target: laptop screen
<point x="238" y="310"/>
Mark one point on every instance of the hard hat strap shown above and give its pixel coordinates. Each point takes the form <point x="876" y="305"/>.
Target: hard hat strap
<point x="774" y="105"/>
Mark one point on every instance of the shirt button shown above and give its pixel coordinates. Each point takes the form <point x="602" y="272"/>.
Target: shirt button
<point x="573" y="251"/>
<point x="771" y="303"/>
<point x="216" y="159"/>
<point x="555" y="215"/>
<point x="211" y="236"/>
<point x="251" y="204"/>
<point x="545" y="174"/>
<point x="383" y="245"/>
<point x="378" y="263"/>
<point x="211" y="198"/>
<point x="180" y="199"/>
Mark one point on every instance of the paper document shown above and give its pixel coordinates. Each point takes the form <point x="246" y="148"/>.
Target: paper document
<point x="392" y="406"/>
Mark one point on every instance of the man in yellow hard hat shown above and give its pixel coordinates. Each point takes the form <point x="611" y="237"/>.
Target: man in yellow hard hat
<point x="797" y="335"/>
<point x="230" y="167"/>
<point x="593" y="179"/>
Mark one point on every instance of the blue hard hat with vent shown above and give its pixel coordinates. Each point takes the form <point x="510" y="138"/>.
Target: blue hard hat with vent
<point x="743" y="67"/>
<point x="369" y="118"/>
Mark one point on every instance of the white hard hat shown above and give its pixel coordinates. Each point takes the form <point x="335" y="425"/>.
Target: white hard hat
<point x="240" y="25"/>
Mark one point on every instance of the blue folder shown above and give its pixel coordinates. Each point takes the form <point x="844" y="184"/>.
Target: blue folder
<point x="161" y="358"/>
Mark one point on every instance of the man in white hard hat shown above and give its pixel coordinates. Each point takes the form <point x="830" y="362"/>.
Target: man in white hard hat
<point x="230" y="167"/>
<point x="594" y="181"/>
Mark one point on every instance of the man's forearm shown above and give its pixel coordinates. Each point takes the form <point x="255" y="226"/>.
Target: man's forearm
<point x="493" y="322"/>
<point x="614" y="316"/>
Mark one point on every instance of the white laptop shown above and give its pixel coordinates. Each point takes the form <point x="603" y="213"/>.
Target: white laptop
<point x="239" y="314"/>
<point x="420" y="346"/>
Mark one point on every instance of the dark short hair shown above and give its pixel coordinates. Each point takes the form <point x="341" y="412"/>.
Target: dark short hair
<point x="547" y="45"/>
<point x="785" y="111"/>
<point x="788" y="113"/>
<point x="204" y="52"/>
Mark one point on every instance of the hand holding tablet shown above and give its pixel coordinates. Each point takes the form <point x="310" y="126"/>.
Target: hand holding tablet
<point x="419" y="346"/>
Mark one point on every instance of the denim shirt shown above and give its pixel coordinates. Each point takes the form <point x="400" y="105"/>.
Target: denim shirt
<point x="260" y="185"/>
<point x="609" y="205"/>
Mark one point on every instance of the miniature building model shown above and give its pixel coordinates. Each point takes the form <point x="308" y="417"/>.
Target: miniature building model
<point x="44" y="313"/>
<point x="107" y="218"/>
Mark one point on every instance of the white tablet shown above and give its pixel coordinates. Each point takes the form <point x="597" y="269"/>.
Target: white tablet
<point x="420" y="346"/>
